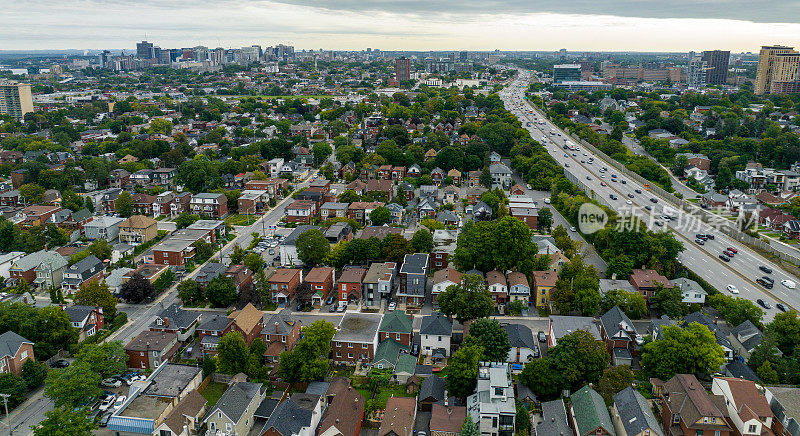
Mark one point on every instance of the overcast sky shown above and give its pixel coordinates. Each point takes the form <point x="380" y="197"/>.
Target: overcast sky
<point x="618" y="25"/>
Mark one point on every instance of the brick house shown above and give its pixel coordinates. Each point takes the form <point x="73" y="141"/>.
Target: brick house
<point x="396" y="325"/>
<point x="150" y="349"/>
<point x="247" y="322"/>
<point x="349" y="284"/>
<point x="498" y="286"/>
<point x="283" y="283"/>
<point x="176" y="320"/>
<point x="87" y="319"/>
<point x="322" y="281"/>
<point x="301" y="211"/>
<point x="619" y="335"/>
<point x="211" y="330"/>
<point x="280" y="333"/>
<point x="14" y="351"/>
<point x="356" y="338"/>
<point x="209" y="204"/>
<point x="174" y="252"/>
<point x="647" y="280"/>
<point x="687" y="408"/>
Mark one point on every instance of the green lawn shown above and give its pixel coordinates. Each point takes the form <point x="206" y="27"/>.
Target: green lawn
<point x="384" y="392"/>
<point x="241" y="220"/>
<point x="213" y="391"/>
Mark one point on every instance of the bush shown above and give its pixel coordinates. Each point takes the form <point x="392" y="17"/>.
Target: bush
<point x="119" y="320"/>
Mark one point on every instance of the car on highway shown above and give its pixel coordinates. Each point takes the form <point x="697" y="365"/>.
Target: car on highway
<point x="700" y="236"/>
<point x="603" y="184"/>
<point x="659" y="223"/>
<point x="764" y="283"/>
<point x="765" y="269"/>
<point x="763" y="304"/>
<point x="648" y="207"/>
<point x="732" y="289"/>
<point x="724" y="257"/>
<point x="789" y="284"/>
<point x="733" y="250"/>
<point x="631" y="195"/>
<point x="628" y="202"/>
<point x="653" y="200"/>
<point x="623" y="182"/>
<point x="588" y="177"/>
<point x="547" y="200"/>
<point x="709" y="236"/>
<point x="566" y="165"/>
<point x="638" y="191"/>
<point x="573" y="229"/>
<point x="729" y="253"/>
<point x="613" y="197"/>
<point x="699" y="241"/>
<point x="768" y="279"/>
<point x="781" y="307"/>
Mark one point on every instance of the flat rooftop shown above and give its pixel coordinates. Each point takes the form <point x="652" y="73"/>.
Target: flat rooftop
<point x="172" y="380"/>
<point x="144" y="407"/>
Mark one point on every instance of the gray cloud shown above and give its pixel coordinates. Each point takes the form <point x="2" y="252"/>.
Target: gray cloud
<point x="760" y="11"/>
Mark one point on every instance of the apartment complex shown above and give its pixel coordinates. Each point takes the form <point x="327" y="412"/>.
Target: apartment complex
<point x="778" y="70"/>
<point x="716" y="66"/>
<point x="15" y="99"/>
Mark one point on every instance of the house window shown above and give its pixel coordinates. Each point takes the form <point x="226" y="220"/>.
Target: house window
<point x="752" y="428"/>
<point x="338" y="354"/>
<point x="23" y="355"/>
<point x="676" y="419"/>
<point x="349" y="345"/>
<point x="144" y="365"/>
<point x="397" y="336"/>
<point x="349" y="355"/>
<point x="364" y="346"/>
<point x="338" y="344"/>
<point x="228" y="427"/>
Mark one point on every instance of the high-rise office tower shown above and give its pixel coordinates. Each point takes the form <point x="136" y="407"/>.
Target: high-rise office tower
<point x="768" y="58"/>
<point x="402" y="68"/>
<point x="717" y="66"/>
<point x="566" y="73"/>
<point x="15" y="99"/>
<point x="463" y="55"/>
<point x="144" y="50"/>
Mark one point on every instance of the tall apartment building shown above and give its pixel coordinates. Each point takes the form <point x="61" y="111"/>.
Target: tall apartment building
<point x="774" y="59"/>
<point x="566" y="73"/>
<point x="696" y="73"/>
<point x="402" y="68"/>
<point x="15" y="99"/>
<point x="717" y="66"/>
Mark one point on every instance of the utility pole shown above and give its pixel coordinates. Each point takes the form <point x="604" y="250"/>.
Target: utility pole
<point x="8" y="418"/>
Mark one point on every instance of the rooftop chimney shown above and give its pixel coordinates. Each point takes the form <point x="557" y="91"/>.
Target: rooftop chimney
<point x="276" y="326"/>
<point x="166" y="321"/>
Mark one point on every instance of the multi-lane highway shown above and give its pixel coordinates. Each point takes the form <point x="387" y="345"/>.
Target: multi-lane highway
<point x="735" y="277"/>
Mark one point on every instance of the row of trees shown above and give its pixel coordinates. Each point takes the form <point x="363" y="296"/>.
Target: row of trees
<point x="314" y="249"/>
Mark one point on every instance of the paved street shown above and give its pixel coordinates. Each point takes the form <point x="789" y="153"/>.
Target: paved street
<point x="740" y="272"/>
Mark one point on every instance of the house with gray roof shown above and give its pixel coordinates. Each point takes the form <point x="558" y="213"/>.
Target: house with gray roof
<point x="523" y="346"/>
<point x="233" y="412"/>
<point x="554" y="419"/>
<point x="50" y="272"/>
<point x="356" y="337"/>
<point x="632" y="412"/>
<point x="561" y="326"/>
<point x="589" y="414"/>
<point x="289" y="419"/>
<point x="745" y="337"/>
<point x="114" y="279"/>
<point x="691" y="291"/>
<point x="14" y="351"/>
<point x="87" y="319"/>
<point x="619" y="334"/>
<point x="25" y="266"/>
<point x="785" y="405"/>
<point x="435" y="334"/>
<point x="90" y="268"/>
<point x="501" y="175"/>
<point x="413" y="279"/>
<point x="103" y="227"/>
<point x="175" y="319"/>
<point x="431" y="391"/>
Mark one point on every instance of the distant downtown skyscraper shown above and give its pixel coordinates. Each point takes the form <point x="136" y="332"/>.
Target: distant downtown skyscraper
<point x="402" y="68"/>
<point x="144" y="50"/>
<point x="716" y="66"/>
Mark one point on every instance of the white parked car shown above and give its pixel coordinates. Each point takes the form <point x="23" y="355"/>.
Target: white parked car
<point x="120" y="399"/>
<point x="732" y="289"/>
<point x="108" y="402"/>
<point x="111" y="383"/>
<point x="789" y="284"/>
<point x="392" y="306"/>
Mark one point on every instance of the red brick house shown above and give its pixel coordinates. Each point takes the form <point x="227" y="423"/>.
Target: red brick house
<point x="322" y="280"/>
<point x="646" y="281"/>
<point x="280" y="333"/>
<point x="398" y="173"/>
<point x="385" y="172"/>
<point x="211" y="330"/>
<point x="688" y="409"/>
<point x="149" y="349"/>
<point x="349" y="285"/>
<point x="242" y="277"/>
<point x="247" y="322"/>
<point x="209" y="204"/>
<point x="301" y="211"/>
<point x="173" y="252"/>
<point x="14" y="351"/>
<point x="517" y="190"/>
<point x="356" y="338"/>
<point x="396" y="325"/>
<point x="283" y="283"/>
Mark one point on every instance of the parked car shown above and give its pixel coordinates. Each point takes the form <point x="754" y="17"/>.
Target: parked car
<point x="392" y="306"/>
<point x="415" y="349"/>
<point x="111" y="383"/>
<point x="781" y="307"/>
<point x="120" y="400"/>
<point x="789" y="284"/>
<point x="542" y="337"/>
<point x="330" y="300"/>
<point x="653" y="200"/>
<point x="60" y="363"/>
<point x="104" y="419"/>
<point x="342" y="307"/>
<point x="108" y="402"/>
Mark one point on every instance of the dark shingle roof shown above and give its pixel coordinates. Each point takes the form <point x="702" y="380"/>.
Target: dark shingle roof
<point x="520" y="336"/>
<point x="177" y="317"/>
<point x="432" y="388"/>
<point x="10" y="343"/>
<point x="635" y="413"/>
<point x="436" y="324"/>
<point x="288" y="418"/>
<point x="235" y="400"/>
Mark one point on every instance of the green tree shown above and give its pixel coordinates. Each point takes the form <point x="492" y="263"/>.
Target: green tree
<point x="232" y="354"/>
<point x="395" y="247"/>
<point x="15" y="387"/>
<point x="308" y="361"/>
<point x="467" y="300"/>
<point x="545" y="220"/>
<point x="321" y="151"/>
<point x="137" y="289"/>
<point x="124" y="204"/>
<point x="542" y="378"/>
<point x="785" y="328"/>
<point x="462" y="371"/>
<point x="72" y="386"/>
<point x="33" y="373"/>
<point x="689" y="350"/>
<point x="668" y="301"/>
<point x="580" y="358"/>
<point x="31" y="193"/>
<point x="101" y="249"/>
<point x="767" y="374"/>
<point x="65" y="421"/>
<point x="190" y="292"/>
<point x="380" y="216"/>
<point x="614" y="379"/>
<point x="522" y="421"/>
<point x="422" y="241"/>
<point x="237" y="257"/>
<point x="105" y="359"/>
<point x="96" y="293"/>
<point x="254" y="262"/>
<point x="489" y="334"/>
<point x="630" y="302"/>
<point x="736" y="310"/>
<point x="221" y="291"/>
<point x="185" y="219"/>
<point x="469" y="428"/>
<point x="312" y="247"/>
<point x="577" y="288"/>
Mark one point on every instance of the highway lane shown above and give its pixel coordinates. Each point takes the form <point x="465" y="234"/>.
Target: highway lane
<point x="740" y="272"/>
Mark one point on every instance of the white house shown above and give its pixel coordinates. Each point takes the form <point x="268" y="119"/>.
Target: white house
<point x="691" y="291"/>
<point x="748" y="408"/>
<point x="443" y="279"/>
<point x="523" y="345"/>
<point x="435" y="334"/>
